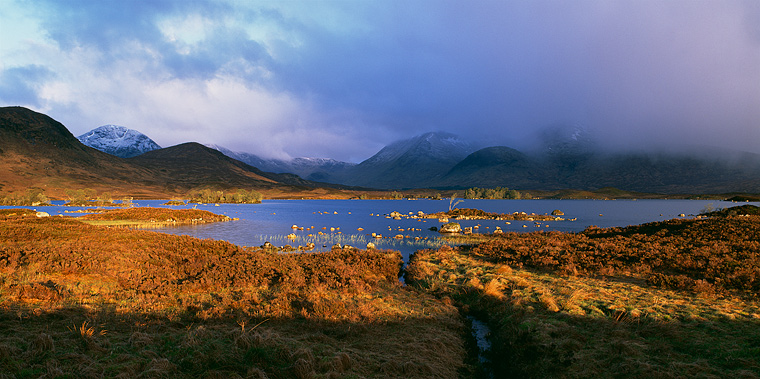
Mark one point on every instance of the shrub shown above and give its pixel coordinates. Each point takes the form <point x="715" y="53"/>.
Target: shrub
<point x="241" y="196"/>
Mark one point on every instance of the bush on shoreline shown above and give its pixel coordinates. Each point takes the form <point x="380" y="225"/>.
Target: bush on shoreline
<point x="492" y="193"/>
<point x="239" y="197"/>
<point x="33" y="197"/>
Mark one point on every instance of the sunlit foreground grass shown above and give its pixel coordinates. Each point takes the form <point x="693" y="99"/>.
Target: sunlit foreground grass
<point x="85" y="301"/>
<point x="563" y="314"/>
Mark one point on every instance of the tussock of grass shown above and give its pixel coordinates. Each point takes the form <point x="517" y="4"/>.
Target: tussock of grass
<point x="547" y="321"/>
<point x="80" y="300"/>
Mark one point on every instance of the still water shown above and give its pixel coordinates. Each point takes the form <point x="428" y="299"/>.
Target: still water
<point x="339" y="220"/>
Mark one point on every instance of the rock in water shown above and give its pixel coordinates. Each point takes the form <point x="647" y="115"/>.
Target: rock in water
<point x="451" y="227"/>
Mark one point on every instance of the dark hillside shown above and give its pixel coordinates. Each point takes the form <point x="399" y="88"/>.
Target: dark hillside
<point x="37" y="151"/>
<point x="497" y="166"/>
<point x="194" y="165"/>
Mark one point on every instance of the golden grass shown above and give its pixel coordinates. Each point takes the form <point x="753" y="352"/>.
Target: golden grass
<point x="546" y="324"/>
<point x="86" y="301"/>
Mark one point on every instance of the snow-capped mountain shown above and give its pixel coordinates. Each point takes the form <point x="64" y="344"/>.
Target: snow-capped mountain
<point x="316" y="169"/>
<point x="118" y="140"/>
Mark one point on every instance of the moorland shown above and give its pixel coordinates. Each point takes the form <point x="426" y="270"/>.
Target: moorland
<point x="98" y="296"/>
<point x="667" y="299"/>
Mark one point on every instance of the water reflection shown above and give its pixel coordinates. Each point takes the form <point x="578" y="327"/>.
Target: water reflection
<point x="329" y="222"/>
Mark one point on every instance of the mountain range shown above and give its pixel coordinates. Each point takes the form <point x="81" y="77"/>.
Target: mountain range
<point x="569" y="158"/>
<point x="314" y="169"/>
<point x="39" y="152"/>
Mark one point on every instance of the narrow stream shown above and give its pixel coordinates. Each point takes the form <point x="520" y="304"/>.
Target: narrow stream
<point x="481" y="332"/>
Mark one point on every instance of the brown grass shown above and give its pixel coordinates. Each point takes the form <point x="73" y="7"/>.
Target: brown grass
<point x="81" y="300"/>
<point x="548" y="323"/>
<point x="706" y="256"/>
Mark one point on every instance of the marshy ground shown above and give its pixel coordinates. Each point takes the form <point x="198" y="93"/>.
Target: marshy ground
<point x="84" y="300"/>
<point x="670" y="299"/>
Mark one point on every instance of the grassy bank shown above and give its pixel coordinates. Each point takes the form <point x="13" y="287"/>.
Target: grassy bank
<point x="146" y="217"/>
<point x="670" y="299"/>
<point x="85" y="301"/>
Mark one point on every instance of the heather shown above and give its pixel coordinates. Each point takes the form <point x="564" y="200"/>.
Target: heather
<point x="87" y="301"/>
<point x="702" y="255"/>
<point x="670" y="299"/>
<point x="156" y="215"/>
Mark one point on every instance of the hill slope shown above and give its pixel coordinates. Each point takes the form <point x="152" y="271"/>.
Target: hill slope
<point x="415" y="162"/>
<point x="37" y="151"/>
<point x="497" y="166"/>
<point x="194" y="165"/>
<point x="668" y="173"/>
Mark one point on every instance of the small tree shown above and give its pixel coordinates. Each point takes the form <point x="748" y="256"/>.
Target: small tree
<point x="452" y="203"/>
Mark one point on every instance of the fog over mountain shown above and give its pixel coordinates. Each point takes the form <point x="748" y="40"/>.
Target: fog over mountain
<point x="343" y="79"/>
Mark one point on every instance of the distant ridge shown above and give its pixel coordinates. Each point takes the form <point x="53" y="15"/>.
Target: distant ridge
<point x="196" y="165"/>
<point x="314" y="169"/>
<point x="412" y="163"/>
<point x="37" y="151"/>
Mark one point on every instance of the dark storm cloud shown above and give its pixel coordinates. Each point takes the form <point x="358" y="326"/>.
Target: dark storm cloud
<point x="633" y="73"/>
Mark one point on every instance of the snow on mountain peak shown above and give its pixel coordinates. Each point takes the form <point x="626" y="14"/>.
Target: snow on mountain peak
<point x="118" y="140"/>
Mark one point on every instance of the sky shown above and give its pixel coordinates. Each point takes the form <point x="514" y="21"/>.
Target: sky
<point x="342" y="79"/>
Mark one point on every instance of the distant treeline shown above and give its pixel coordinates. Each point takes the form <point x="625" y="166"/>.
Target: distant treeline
<point x="33" y="197"/>
<point x="492" y="193"/>
<point x="239" y="197"/>
<point x="88" y="197"/>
